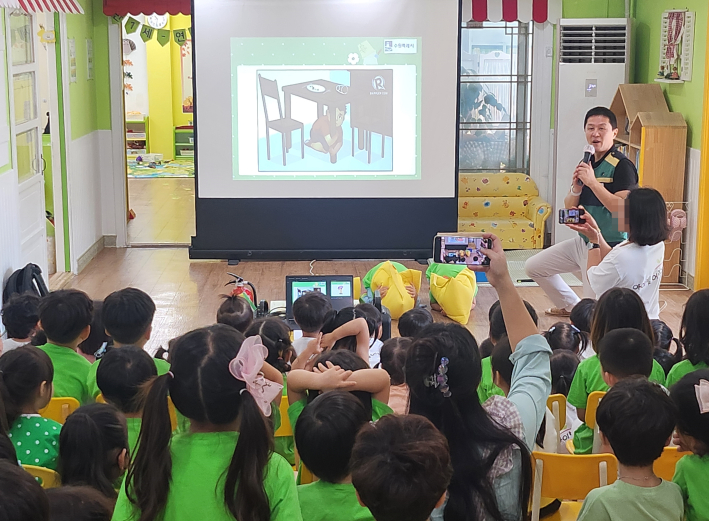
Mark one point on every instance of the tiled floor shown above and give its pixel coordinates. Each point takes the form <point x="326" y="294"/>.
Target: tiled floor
<point x="164" y="209"/>
<point x="187" y="292"/>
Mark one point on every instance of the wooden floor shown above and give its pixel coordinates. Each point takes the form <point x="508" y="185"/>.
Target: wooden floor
<point x="186" y="292"/>
<point x="164" y="209"/>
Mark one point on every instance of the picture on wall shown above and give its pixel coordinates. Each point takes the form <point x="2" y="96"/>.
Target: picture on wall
<point x="187" y="93"/>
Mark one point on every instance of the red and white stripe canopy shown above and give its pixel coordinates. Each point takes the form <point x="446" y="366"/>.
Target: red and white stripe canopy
<point x="513" y="10"/>
<point x="46" y="6"/>
<point x="52" y="6"/>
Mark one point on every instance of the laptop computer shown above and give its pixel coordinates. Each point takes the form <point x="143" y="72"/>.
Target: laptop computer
<point x="338" y="288"/>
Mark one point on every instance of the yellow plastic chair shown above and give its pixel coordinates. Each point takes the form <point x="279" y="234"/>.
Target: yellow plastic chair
<point x="170" y="408"/>
<point x="46" y="477"/>
<point x="571" y="478"/>
<point x="59" y="409"/>
<point x="664" y="466"/>
<point x="556" y="403"/>
<point x="356" y="288"/>
<point x="591" y="407"/>
<point x="306" y="476"/>
<point x="285" y="429"/>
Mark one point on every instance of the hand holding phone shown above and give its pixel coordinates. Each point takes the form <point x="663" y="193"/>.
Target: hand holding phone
<point x="461" y="249"/>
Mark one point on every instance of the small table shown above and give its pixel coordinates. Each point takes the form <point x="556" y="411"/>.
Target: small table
<point x="330" y="97"/>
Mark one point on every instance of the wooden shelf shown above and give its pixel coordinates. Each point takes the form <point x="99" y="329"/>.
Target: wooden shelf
<point x="656" y="142"/>
<point x="137" y="130"/>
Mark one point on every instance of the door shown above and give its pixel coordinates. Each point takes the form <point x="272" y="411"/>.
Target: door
<point x="27" y="129"/>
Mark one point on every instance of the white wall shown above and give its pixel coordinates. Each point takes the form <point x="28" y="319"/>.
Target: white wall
<point x="137" y="99"/>
<point x="691" y="190"/>
<point x="9" y="226"/>
<point x="84" y="185"/>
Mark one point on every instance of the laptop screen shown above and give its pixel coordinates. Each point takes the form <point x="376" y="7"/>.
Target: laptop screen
<point x="338" y="288"/>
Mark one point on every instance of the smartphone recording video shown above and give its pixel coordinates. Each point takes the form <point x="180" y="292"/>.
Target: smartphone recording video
<point x="571" y="216"/>
<point x="453" y="249"/>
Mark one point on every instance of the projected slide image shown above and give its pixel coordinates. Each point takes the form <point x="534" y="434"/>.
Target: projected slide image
<point x="326" y="108"/>
<point x="329" y="120"/>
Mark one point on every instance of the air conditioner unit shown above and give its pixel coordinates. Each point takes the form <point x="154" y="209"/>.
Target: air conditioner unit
<point x="593" y="58"/>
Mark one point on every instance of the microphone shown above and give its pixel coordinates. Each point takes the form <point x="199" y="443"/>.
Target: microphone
<point x="588" y="152"/>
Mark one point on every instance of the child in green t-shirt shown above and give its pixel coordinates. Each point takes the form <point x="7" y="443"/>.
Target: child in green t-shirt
<point x="127" y="316"/>
<point x="324" y="435"/>
<point x="275" y="335"/>
<point x="65" y="317"/>
<point x="617" y="308"/>
<point x="93" y="448"/>
<point x="26" y="374"/>
<point x="694" y="337"/>
<point x="487" y="387"/>
<point x="401" y="468"/>
<point x="636" y="419"/>
<point x="622" y="353"/>
<point x="691" y="397"/>
<point x="119" y="378"/>
<point x="223" y="467"/>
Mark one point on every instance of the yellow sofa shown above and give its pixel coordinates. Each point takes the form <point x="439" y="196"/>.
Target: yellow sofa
<point x="507" y="205"/>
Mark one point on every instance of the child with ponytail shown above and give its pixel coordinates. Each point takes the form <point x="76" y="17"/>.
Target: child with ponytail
<point x="223" y="468"/>
<point x="26" y="375"/>
<point x="275" y="336"/>
<point x="93" y="448"/>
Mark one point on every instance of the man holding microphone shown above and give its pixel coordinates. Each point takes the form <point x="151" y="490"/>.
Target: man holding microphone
<point x="600" y="186"/>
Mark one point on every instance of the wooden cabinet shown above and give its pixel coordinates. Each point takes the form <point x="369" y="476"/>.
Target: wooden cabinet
<point x="655" y="140"/>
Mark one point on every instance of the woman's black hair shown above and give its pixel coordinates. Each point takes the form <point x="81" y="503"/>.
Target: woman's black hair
<point x="21" y="496"/>
<point x="694" y="331"/>
<point x="619" y="308"/>
<point x="22" y="371"/>
<point x="647" y="217"/>
<point x="204" y="390"/>
<point x="77" y="503"/>
<point x="348" y="361"/>
<point x="275" y="335"/>
<point x="690" y="420"/>
<point x="98" y="342"/>
<point x="475" y="439"/>
<point x="336" y="319"/>
<point x="567" y="336"/>
<point x="582" y="314"/>
<point x="90" y="442"/>
<point x="393" y="358"/>
<point x="563" y="368"/>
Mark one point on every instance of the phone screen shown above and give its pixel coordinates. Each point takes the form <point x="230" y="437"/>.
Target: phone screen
<point x="570" y="215"/>
<point x="462" y="250"/>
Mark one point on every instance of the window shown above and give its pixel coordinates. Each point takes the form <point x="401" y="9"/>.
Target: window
<point x="495" y="97"/>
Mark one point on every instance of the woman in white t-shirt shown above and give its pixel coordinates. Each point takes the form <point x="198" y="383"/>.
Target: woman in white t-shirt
<point x="636" y="263"/>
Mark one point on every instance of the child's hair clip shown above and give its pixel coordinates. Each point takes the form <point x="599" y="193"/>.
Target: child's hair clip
<point x="702" y="391"/>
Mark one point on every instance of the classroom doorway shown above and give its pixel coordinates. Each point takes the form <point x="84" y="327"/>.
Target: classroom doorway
<point x="35" y="101"/>
<point x="158" y="100"/>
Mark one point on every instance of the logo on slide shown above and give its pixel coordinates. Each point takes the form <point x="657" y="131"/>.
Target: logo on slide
<point x="378" y="83"/>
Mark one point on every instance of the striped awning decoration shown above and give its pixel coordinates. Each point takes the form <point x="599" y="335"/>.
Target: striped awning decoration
<point x="11" y="4"/>
<point x="539" y="11"/>
<point x="52" y="6"/>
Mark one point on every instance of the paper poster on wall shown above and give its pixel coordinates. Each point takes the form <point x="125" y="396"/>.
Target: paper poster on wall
<point x="187" y="100"/>
<point x="89" y="59"/>
<point x="72" y="60"/>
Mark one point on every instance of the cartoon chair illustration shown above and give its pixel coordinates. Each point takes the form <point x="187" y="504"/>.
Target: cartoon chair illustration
<point x="269" y="89"/>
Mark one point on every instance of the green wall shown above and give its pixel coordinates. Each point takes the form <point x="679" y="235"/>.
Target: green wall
<point x="686" y="98"/>
<point x="594" y="8"/>
<point x="89" y="99"/>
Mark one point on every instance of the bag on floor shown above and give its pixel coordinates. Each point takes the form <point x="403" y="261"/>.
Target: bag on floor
<point x="455" y="295"/>
<point x="397" y="299"/>
<point x="25" y="280"/>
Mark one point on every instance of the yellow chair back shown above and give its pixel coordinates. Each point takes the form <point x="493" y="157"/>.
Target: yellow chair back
<point x="58" y="409"/>
<point x="557" y="405"/>
<point x="569" y="477"/>
<point x="306" y="476"/>
<point x="285" y="429"/>
<point x="594" y="399"/>
<point x="170" y="408"/>
<point x="46" y="477"/>
<point x="664" y="466"/>
<point x="356" y="288"/>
